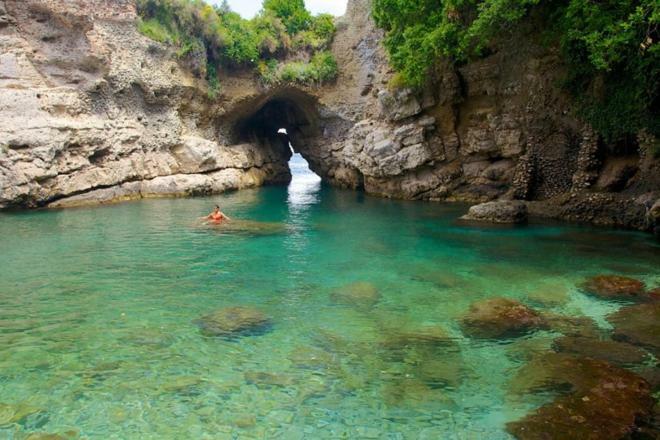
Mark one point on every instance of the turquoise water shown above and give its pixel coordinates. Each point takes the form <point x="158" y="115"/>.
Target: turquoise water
<point x="97" y="307"/>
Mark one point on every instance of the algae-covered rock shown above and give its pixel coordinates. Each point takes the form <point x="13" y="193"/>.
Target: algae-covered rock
<point x="581" y="326"/>
<point x="618" y="353"/>
<point x="614" y="287"/>
<point x="500" y="318"/>
<point x="361" y="295"/>
<point x="603" y="402"/>
<point x="233" y="321"/>
<point x="639" y="325"/>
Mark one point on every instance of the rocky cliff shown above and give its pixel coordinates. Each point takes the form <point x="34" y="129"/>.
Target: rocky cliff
<point x="91" y="111"/>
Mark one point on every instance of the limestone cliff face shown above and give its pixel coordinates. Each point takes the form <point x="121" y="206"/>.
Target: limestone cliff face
<point x="91" y="111"/>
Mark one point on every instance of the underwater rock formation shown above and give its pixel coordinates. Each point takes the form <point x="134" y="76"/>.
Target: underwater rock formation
<point x="639" y="325"/>
<point x="500" y="318"/>
<point x="361" y="295"/>
<point x="603" y="402"/>
<point x="233" y="321"/>
<point x="614" y="287"/>
<point x="616" y="353"/>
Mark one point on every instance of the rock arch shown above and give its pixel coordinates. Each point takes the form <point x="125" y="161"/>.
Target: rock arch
<point x="259" y="120"/>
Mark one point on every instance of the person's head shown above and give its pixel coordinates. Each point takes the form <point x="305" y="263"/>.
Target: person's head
<point x="216" y="209"/>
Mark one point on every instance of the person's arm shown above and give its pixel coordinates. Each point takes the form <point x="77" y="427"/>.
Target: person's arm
<point x="225" y="216"/>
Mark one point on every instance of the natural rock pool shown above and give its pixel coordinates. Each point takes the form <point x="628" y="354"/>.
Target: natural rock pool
<point x="350" y="318"/>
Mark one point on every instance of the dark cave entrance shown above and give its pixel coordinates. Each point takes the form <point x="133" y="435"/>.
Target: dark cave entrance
<point x="285" y="123"/>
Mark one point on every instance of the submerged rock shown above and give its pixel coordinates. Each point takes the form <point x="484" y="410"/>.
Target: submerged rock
<point x="500" y="318"/>
<point x="505" y="211"/>
<point x="362" y="295"/>
<point x="312" y="358"/>
<point x="639" y="325"/>
<point x="580" y="326"/>
<point x="18" y="413"/>
<point x="233" y="321"/>
<point x="605" y="402"/>
<point x="428" y="353"/>
<point x="613" y="287"/>
<point x="654" y="295"/>
<point x="549" y="296"/>
<point x="268" y="380"/>
<point x="617" y="353"/>
<point x="250" y="227"/>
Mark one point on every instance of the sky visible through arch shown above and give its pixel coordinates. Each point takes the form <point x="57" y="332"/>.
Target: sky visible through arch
<point x="248" y="8"/>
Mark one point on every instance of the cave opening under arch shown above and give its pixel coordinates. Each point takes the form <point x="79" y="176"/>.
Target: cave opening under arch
<point x="287" y="122"/>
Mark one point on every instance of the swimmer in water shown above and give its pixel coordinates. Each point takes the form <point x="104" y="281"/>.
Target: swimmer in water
<point x="216" y="216"/>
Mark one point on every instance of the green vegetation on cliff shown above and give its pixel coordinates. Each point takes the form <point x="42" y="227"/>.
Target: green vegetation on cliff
<point x="610" y="48"/>
<point x="221" y="38"/>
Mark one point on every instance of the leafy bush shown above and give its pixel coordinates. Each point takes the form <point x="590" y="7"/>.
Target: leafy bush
<point x="224" y="39"/>
<point x="153" y="29"/>
<point x="610" y="47"/>
<point x="292" y="13"/>
<point x="321" y="68"/>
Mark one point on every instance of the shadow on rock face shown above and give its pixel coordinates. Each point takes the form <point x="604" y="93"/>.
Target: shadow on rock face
<point x="232" y="322"/>
<point x="497" y="318"/>
<point x="603" y="402"/>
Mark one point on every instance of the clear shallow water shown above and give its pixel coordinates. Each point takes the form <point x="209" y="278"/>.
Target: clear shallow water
<point x="97" y="308"/>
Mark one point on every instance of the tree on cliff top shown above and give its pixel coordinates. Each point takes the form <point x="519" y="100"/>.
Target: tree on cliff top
<point x="610" y="47"/>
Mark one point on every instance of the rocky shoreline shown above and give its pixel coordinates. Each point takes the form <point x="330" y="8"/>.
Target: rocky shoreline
<point x="93" y="112"/>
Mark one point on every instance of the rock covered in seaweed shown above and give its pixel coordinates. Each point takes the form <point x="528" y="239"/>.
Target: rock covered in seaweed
<point x="233" y="321"/>
<point x="639" y="325"/>
<point x="618" y="353"/>
<point x="604" y="402"/>
<point x="500" y="318"/>
<point x="613" y="287"/>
